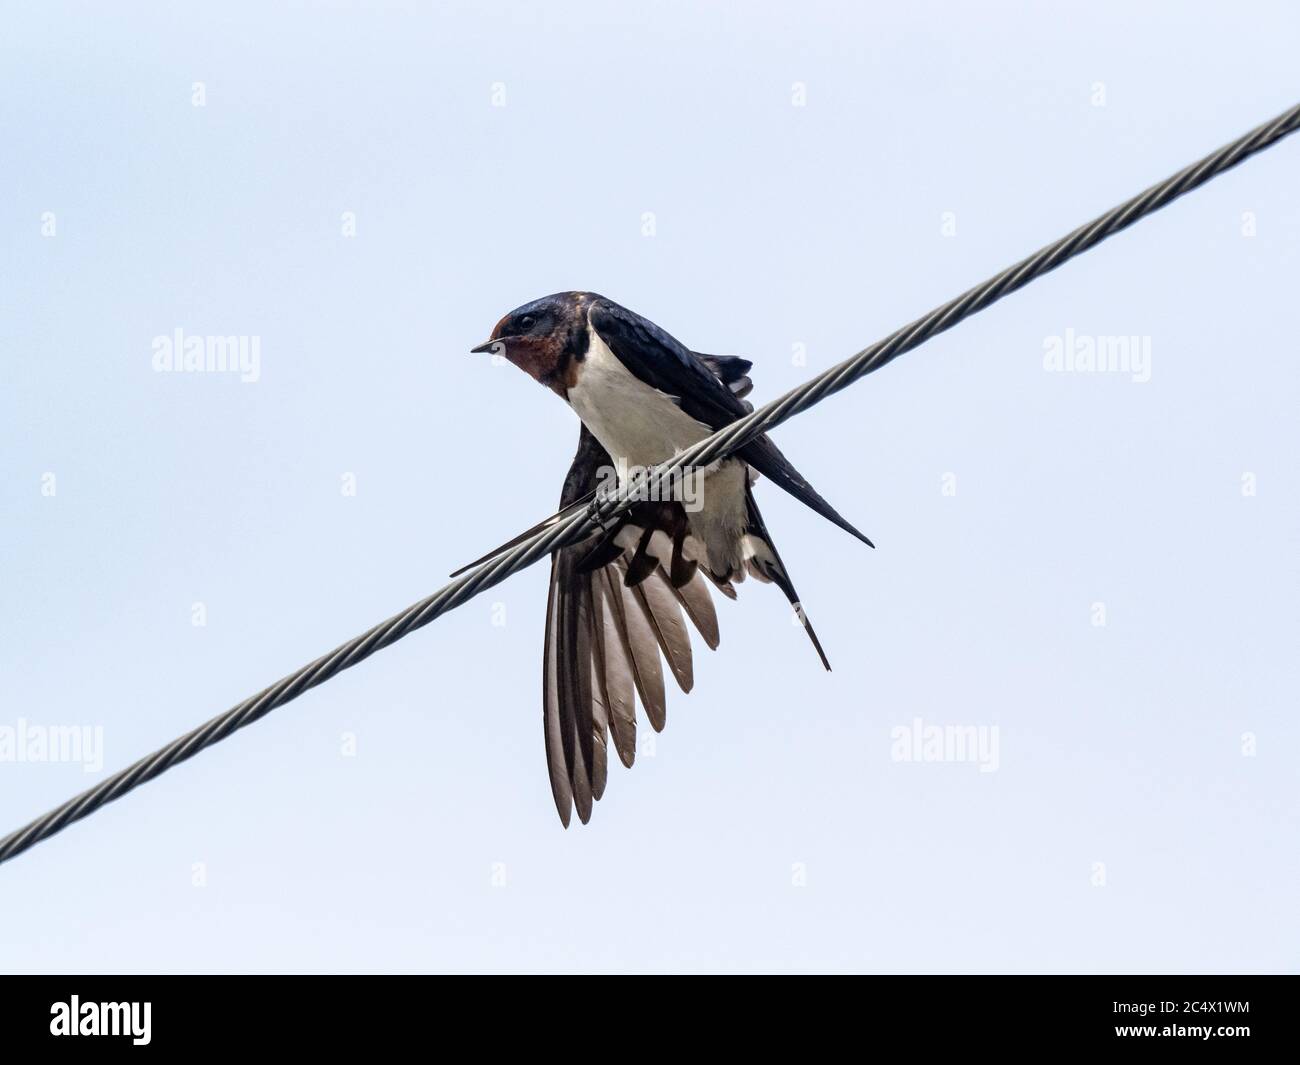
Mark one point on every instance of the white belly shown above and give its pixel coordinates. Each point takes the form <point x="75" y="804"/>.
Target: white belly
<point x="632" y="420"/>
<point x="643" y="427"/>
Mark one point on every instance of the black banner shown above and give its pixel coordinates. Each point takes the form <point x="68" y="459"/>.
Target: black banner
<point x="145" y="1014"/>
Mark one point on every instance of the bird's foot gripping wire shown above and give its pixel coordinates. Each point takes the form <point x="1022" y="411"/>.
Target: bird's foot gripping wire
<point x="594" y="515"/>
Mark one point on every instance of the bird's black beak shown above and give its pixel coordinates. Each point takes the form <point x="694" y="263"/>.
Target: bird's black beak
<point x="487" y="347"/>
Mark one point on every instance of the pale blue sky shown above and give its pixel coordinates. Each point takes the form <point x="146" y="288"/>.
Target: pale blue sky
<point x="775" y="226"/>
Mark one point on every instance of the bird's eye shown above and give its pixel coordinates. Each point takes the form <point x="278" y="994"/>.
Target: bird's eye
<point x="527" y="322"/>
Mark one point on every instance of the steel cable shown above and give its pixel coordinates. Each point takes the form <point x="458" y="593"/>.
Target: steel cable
<point x="712" y="448"/>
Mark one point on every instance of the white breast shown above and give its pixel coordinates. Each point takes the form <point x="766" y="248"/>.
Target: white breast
<point x="644" y="427"/>
<point x="632" y="420"/>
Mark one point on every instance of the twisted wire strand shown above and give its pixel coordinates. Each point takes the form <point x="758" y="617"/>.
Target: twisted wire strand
<point x="718" y="445"/>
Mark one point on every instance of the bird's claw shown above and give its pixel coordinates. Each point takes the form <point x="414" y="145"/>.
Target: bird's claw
<point x="593" y="511"/>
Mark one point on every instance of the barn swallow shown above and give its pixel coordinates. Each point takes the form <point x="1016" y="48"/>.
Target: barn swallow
<point x="617" y="598"/>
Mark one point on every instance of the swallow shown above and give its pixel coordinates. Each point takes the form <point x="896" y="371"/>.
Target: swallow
<point x="618" y="599"/>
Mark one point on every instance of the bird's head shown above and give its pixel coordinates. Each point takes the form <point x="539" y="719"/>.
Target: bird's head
<point x="544" y="338"/>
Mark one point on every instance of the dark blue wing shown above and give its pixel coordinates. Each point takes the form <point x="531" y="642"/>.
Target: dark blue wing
<point x="665" y="363"/>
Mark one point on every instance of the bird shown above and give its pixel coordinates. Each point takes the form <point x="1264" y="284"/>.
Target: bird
<point x="616" y="599"/>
